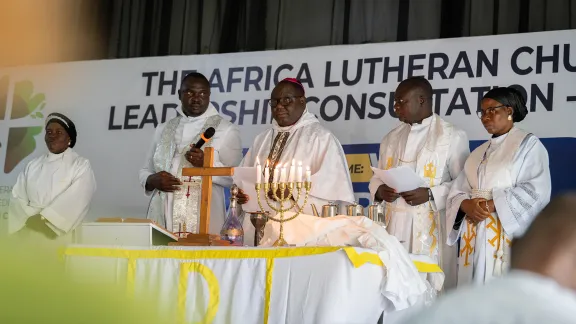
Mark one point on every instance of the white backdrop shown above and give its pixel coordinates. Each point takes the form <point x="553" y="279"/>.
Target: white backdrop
<point x="115" y="103"/>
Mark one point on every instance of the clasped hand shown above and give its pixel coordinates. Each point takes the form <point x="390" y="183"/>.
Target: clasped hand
<point x="476" y="209"/>
<point x="414" y="197"/>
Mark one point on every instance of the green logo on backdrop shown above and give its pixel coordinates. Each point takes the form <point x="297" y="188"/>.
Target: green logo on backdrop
<point x="22" y="122"/>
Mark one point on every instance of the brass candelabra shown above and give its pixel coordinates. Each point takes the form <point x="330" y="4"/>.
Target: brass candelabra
<point x="282" y="200"/>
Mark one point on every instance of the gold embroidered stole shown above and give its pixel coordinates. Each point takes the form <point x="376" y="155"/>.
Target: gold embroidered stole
<point x="276" y="150"/>
<point x="186" y="201"/>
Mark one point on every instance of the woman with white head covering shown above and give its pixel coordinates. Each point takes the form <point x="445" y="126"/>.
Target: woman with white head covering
<point x="52" y="195"/>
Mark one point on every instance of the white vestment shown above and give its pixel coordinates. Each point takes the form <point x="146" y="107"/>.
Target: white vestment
<point x="518" y="297"/>
<point x="171" y="141"/>
<point x="513" y="170"/>
<point x="59" y="187"/>
<point x="436" y="150"/>
<point x="310" y="143"/>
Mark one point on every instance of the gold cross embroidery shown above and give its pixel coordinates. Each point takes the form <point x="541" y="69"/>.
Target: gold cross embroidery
<point x="430" y="172"/>
<point x="431" y="233"/>
<point x="388" y="163"/>
<point x="494" y="226"/>
<point x="468" y="236"/>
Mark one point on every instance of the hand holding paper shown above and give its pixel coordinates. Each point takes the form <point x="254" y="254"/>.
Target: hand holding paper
<point x="401" y="179"/>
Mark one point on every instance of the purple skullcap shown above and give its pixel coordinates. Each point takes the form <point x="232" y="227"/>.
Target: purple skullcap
<point x="294" y="81"/>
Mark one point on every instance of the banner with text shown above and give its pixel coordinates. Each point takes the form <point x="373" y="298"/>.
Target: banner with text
<point x="116" y="104"/>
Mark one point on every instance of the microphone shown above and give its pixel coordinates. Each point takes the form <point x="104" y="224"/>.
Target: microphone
<point x="205" y="137"/>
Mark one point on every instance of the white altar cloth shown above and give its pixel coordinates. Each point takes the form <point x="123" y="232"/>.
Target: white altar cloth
<point x="245" y="285"/>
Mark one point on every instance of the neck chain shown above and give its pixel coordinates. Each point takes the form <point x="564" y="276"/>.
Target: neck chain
<point x="420" y="150"/>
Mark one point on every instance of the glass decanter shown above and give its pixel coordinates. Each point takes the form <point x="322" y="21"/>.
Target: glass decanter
<point x="232" y="230"/>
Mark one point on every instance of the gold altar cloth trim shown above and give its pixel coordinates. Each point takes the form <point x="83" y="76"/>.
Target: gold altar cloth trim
<point x="357" y="260"/>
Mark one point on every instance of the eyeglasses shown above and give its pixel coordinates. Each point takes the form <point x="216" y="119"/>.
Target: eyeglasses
<point x="488" y="112"/>
<point x="200" y="94"/>
<point x="285" y="101"/>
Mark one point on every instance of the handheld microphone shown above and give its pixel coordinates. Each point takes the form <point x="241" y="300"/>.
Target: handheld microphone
<point x="205" y="137"/>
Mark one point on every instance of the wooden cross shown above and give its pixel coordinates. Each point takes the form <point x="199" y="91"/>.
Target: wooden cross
<point x="207" y="171"/>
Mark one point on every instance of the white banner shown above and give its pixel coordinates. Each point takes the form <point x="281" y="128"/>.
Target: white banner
<point x="117" y="103"/>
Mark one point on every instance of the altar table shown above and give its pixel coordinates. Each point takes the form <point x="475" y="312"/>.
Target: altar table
<point x="245" y="285"/>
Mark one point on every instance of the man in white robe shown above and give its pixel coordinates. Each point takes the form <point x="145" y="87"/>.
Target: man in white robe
<point x="540" y="288"/>
<point x="296" y="135"/>
<point x="436" y="151"/>
<point x="174" y="206"/>
<point x="52" y="195"/>
<point x="505" y="183"/>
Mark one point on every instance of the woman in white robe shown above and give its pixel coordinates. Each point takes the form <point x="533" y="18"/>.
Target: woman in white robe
<point x="505" y="183"/>
<point x="52" y="195"/>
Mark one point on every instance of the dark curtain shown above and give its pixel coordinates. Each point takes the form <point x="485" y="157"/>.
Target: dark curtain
<point x="136" y="28"/>
<point x="176" y="27"/>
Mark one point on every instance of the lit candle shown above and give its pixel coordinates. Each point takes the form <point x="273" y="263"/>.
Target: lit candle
<point x="283" y="174"/>
<point x="299" y="177"/>
<point x="276" y="174"/>
<point x="292" y="171"/>
<point x="308" y="174"/>
<point x="267" y="172"/>
<point x="258" y="171"/>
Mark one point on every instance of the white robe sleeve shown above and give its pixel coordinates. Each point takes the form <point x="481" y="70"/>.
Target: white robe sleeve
<point x="517" y="206"/>
<point x="19" y="210"/>
<point x="331" y="178"/>
<point x="148" y="167"/>
<point x="459" y="191"/>
<point x="459" y="152"/>
<point x="375" y="181"/>
<point x="69" y="208"/>
<point x="229" y="154"/>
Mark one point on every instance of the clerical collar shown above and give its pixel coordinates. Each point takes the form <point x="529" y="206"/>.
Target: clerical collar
<point x="498" y="139"/>
<point x="54" y="157"/>
<point x="210" y="111"/>
<point x="423" y="123"/>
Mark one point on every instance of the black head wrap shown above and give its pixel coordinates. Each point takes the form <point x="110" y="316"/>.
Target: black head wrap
<point x="510" y="97"/>
<point x="66" y="123"/>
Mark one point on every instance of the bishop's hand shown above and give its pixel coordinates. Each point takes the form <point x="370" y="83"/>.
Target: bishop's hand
<point x="416" y="197"/>
<point x="162" y="181"/>
<point x="387" y="194"/>
<point x="242" y="197"/>
<point x="278" y="193"/>
<point x="195" y="156"/>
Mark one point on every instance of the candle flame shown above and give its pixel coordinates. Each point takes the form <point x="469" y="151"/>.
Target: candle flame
<point x="299" y="163"/>
<point x="307" y="168"/>
<point x="293" y="162"/>
<point x="257" y="161"/>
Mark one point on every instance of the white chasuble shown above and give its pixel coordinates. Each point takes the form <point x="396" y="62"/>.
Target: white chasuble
<point x="436" y="150"/>
<point x="59" y="187"/>
<point x="511" y="169"/>
<point x="180" y="211"/>
<point x="313" y="145"/>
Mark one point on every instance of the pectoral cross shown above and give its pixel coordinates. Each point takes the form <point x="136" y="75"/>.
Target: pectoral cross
<point x="207" y="171"/>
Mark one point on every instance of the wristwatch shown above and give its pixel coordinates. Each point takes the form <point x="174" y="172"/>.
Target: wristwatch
<point x="430" y="195"/>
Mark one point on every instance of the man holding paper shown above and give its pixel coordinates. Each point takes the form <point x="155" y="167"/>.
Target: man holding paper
<point x="433" y="150"/>
<point x="297" y="146"/>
